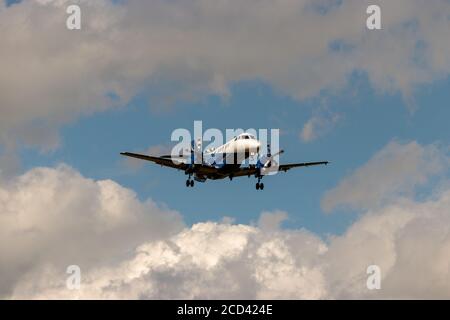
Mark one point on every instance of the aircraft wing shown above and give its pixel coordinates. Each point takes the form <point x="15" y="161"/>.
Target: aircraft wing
<point x="286" y="167"/>
<point x="246" y="171"/>
<point x="163" y="161"/>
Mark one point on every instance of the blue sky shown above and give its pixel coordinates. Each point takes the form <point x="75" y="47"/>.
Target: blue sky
<point x="369" y="120"/>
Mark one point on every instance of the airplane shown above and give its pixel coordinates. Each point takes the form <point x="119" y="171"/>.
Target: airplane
<point x="224" y="161"/>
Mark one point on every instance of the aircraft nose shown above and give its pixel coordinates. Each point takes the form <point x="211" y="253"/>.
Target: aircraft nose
<point x="256" y="145"/>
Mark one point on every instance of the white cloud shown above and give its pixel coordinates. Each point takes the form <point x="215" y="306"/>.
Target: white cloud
<point x="318" y="125"/>
<point x="408" y="240"/>
<point x="213" y="260"/>
<point x="58" y="217"/>
<point x="51" y="218"/>
<point x="269" y="221"/>
<point x="398" y="169"/>
<point x="208" y="260"/>
<point x="188" y="49"/>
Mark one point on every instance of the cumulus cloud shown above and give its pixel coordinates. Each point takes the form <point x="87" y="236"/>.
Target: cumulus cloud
<point x="398" y="169"/>
<point x="408" y="240"/>
<point x="208" y="260"/>
<point x="57" y="217"/>
<point x="52" y="218"/>
<point x="189" y="49"/>
<point x="219" y="260"/>
<point x="272" y="220"/>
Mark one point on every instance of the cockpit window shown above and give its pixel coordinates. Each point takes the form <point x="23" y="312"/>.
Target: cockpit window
<point x="246" y="136"/>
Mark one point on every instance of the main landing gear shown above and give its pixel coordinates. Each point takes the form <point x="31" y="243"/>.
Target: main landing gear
<point x="259" y="184"/>
<point x="189" y="182"/>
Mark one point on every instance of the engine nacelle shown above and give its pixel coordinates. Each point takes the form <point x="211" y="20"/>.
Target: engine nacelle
<point x="199" y="178"/>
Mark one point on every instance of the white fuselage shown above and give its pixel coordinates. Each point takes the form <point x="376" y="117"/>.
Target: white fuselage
<point x="236" y="150"/>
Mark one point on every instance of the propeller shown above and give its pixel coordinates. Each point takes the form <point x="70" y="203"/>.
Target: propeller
<point x="267" y="161"/>
<point x="196" y="151"/>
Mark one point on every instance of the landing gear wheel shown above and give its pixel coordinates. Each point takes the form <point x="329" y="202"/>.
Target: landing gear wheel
<point x="192" y="183"/>
<point x="261" y="186"/>
<point x="257" y="186"/>
<point x="188" y="183"/>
